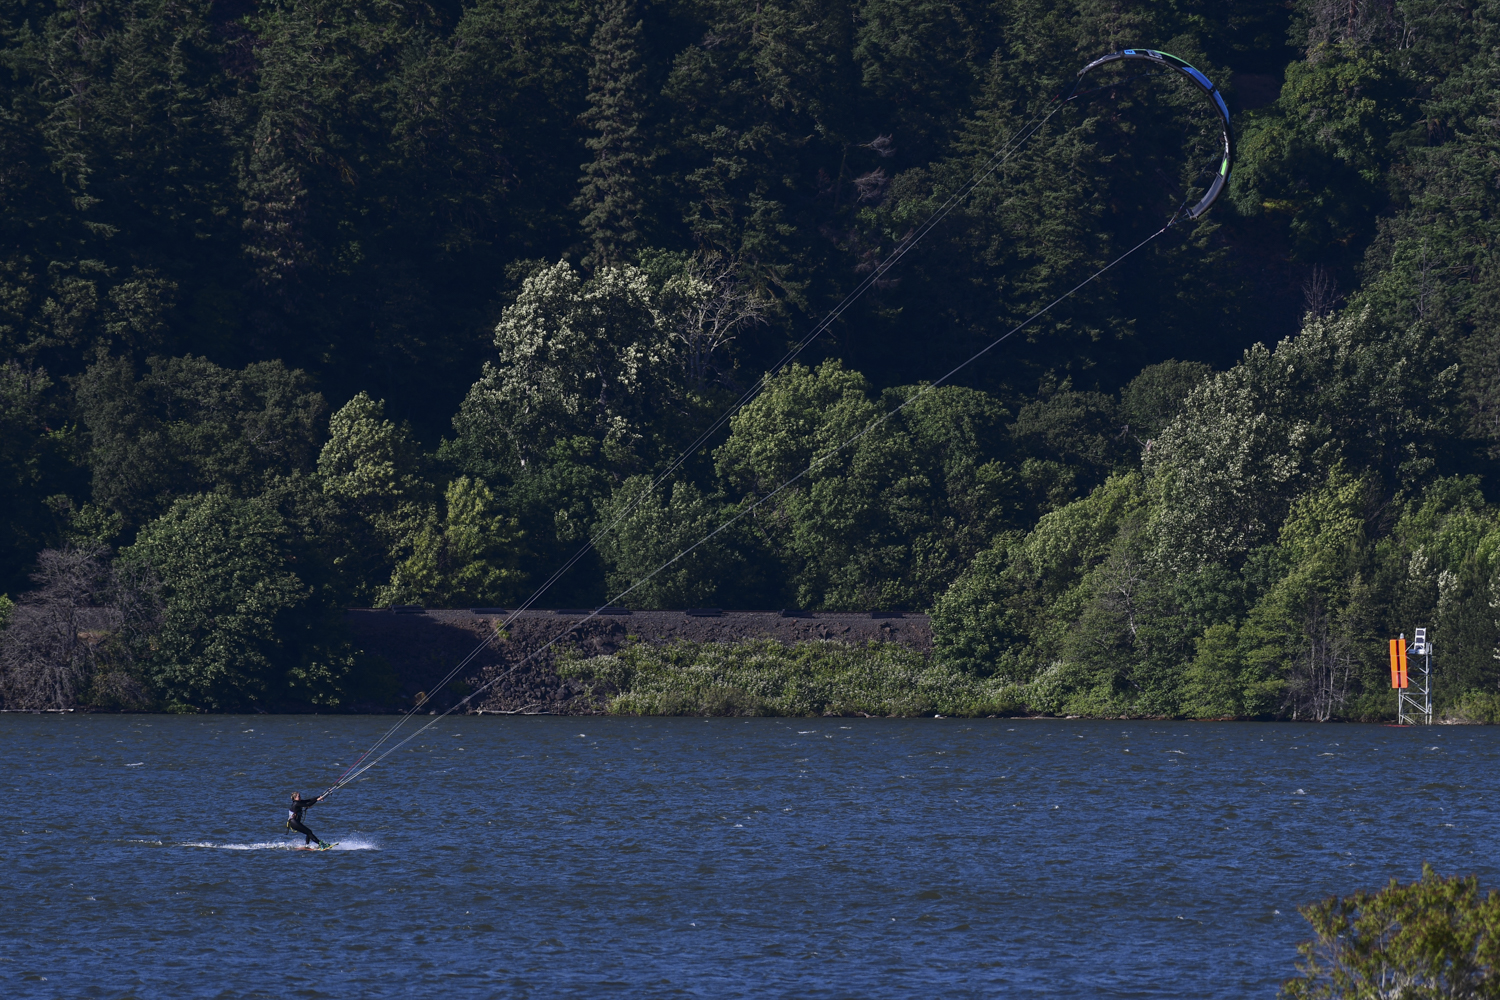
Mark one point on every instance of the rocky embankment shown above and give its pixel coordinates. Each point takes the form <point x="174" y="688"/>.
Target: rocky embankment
<point x="423" y="646"/>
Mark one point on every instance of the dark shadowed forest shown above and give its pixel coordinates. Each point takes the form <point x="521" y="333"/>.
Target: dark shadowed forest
<point x="311" y="305"/>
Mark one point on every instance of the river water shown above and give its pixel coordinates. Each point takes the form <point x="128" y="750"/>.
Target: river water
<point x="588" y="857"/>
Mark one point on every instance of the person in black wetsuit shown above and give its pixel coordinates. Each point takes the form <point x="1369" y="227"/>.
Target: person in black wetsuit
<point x="294" y="816"/>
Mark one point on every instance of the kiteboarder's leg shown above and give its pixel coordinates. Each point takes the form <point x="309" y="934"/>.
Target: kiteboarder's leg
<point x="298" y="826"/>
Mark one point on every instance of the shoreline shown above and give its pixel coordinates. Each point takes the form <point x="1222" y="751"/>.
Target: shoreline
<point x="422" y="646"/>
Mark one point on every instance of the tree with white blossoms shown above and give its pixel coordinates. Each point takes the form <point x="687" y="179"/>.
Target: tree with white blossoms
<point x="578" y="356"/>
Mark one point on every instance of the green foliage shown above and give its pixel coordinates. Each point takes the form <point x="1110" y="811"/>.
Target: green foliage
<point x="374" y="476"/>
<point x="1476" y="706"/>
<point x="642" y="530"/>
<point x="1078" y="430"/>
<point x="1005" y="614"/>
<point x="120" y="184"/>
<point x="1251" y="573"/>
<point x="36" y="475"/>
<point x="610" y="196"/>
<point x="212" y="220"/>
<point x="224" y="580"/>
<point x="1435" y="937"/>
<point x="1443" y="563"/>
<point x="1321" y="154"/>
<point x="1156" y="395"/>
<point x="188" y="426"/>
<point x="1107" y="172"/>
<point x="1301" y="639"/>
<point x="1213" y="683"/>
<point x="1250" y="440"/>
<point x="469" y="556"/>
<point x="766" y="678"/>
<point x="556" y="504"/>
<point x="1119" y="656"/>
<point x="238" y="629"/>
<point x="373" y="464"/>
<point x="887" y="521"/>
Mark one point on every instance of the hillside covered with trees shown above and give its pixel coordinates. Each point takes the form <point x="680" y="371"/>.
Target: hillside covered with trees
<point x="313" y="305"/>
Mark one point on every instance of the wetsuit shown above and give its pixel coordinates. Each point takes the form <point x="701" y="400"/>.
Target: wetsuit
<point x="294" y="818"/>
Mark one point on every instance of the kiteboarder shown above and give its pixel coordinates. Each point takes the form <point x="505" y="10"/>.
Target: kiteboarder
<point x="294" y="817"/>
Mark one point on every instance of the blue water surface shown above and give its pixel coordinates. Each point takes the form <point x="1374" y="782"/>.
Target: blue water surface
<point x="593" y="857"/>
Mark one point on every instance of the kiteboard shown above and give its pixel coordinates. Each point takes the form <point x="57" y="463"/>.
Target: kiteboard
<point x="320" y="847"/>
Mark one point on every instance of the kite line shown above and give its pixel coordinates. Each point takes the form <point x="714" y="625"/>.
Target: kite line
<point x="1162" y="60"/>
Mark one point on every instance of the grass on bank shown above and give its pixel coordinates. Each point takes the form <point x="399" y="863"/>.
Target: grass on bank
<point x="765" y="678"/>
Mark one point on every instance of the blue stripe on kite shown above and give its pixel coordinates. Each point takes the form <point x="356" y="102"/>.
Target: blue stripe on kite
<point x="1223" y="108"/>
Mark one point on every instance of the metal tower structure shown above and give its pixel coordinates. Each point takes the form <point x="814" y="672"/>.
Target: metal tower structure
<point x="1410" y="708"/>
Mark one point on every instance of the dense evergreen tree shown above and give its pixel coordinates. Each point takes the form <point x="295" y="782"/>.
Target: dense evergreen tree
<point x="188" y="426"/>
<point x="38" y="450"/>
<point x="611" y="199"/>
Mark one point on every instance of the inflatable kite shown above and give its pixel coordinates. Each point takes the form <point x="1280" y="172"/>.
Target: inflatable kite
<point x="1203" y="83"/>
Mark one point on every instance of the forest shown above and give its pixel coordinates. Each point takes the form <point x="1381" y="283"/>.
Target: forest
<point x="311" y="305"/>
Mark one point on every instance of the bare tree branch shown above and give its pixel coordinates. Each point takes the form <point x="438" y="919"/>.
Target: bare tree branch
<point x="85" y="622"/>
<point x="717" y="306"/>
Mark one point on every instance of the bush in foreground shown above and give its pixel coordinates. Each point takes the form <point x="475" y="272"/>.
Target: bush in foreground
<point x="1433" y="938"/>
<point x="766" y="678"/>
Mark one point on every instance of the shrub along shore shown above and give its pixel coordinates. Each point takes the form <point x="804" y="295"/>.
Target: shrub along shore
<point x="828" y="677"/>
<point x="764" y="677"/>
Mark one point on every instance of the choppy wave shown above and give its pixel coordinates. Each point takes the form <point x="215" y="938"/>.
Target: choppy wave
<point x="352" y="844"/>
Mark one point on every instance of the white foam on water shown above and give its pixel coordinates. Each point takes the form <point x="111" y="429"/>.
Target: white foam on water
<point x="353" y="844"/>
<point x="269" y="845"/>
